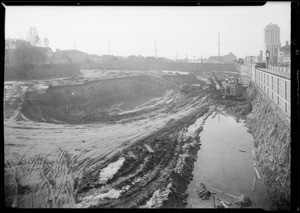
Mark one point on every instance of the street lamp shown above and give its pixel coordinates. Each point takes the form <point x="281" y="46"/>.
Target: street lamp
<point x="267" y="56"/>
<point x="251" y="59"/>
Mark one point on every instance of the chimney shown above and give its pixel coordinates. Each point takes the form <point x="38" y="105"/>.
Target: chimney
<point x="287" y="43"/>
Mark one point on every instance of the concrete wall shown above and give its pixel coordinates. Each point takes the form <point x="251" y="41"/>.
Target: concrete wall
<point x="276" y="87"/>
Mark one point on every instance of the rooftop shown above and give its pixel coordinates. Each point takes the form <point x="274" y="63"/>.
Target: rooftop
<point x="286" y="48"/>
<point x="278" y="73"/>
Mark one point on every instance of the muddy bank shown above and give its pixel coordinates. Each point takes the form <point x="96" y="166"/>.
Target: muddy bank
<point x="271" y="131"/>
<point x="155" y="177"/>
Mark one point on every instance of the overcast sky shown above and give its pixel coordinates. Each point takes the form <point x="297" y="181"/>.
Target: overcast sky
<point x="191" y="31"/>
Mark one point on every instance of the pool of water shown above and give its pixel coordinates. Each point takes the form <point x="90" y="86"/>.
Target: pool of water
<point x="220" y="164"/>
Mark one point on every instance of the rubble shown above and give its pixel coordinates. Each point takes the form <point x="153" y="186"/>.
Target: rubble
<point x="243" y="201"/>
<point x="203" y="193"/>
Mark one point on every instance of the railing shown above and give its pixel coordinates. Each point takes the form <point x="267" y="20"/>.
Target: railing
<point x="281" y="69"/>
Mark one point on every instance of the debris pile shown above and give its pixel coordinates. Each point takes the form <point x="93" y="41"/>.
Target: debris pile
<point x="243" y="201"/>
<point x="203" y="193"/>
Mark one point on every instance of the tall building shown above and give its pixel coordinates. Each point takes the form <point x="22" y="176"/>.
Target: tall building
<point x="272" y="39"/>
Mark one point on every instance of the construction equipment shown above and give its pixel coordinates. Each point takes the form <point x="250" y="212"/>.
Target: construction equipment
<point x="230" y="88"/>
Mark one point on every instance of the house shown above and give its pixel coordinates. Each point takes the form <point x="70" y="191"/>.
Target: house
<point x="229" y="59"/>
<point x="284" y="55"/>
<point x="59" y="59"/>
<point x="215" y="59"/>
<point x="93" y="58"/>
<point x="225" y="59"/>
<point x="75" y="56"/>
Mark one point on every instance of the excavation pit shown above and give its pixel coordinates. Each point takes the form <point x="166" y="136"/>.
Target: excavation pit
<point x="97" y="100"/>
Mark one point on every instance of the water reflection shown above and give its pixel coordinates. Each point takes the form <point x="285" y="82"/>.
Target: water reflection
<point x="220" y="164"/>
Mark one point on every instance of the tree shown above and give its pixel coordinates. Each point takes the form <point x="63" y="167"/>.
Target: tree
<point x="23" y="55"/>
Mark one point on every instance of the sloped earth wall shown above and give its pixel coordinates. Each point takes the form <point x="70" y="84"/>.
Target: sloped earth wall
<point x="270" y="129"/>
<point x="93" y="101"/>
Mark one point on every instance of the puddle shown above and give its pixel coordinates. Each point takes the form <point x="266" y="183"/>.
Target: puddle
<point x="220" y="164"/>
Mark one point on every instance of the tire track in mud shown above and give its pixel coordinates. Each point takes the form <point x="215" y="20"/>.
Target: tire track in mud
<point x="57" y="170"/>
<point x="154" y="173"/>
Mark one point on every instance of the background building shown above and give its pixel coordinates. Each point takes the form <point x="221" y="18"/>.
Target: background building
<point x="260" y="57"/>
<point x="225" y="59"/>
<point x="272" y="39"/>
<point x="229" y="59"/>
<point x="68" y="56"/>
<point x="284" y="55"/>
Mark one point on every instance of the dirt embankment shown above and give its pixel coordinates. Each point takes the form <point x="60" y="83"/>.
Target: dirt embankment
<point x="96" y="100"/>
<point x="270" y="129"/>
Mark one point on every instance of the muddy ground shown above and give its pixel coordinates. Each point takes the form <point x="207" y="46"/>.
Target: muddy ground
<point x="140" y="157"/>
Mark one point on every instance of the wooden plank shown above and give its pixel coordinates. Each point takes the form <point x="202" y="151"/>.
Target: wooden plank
<point x="258" y="176"/>
<point x="148" y="148"/>
<point x="223" y="192"/>
<point x="226" y="202"/>
<point x="130" y="153"/>
<point x="254" y="181"/>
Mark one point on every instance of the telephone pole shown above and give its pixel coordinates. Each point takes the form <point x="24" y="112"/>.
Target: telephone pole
<point x="219" y="46"/>
<point x="108" y="47"/>
<point x="155" y="48"/>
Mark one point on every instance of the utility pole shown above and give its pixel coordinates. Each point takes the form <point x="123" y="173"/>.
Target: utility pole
<point x="155" y="48"/>
<point x="219" y="46"/>
<point x="108" y="47"/>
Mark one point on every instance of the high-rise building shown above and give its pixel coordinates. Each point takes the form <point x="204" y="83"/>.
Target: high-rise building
<point x="272" y="39"/>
